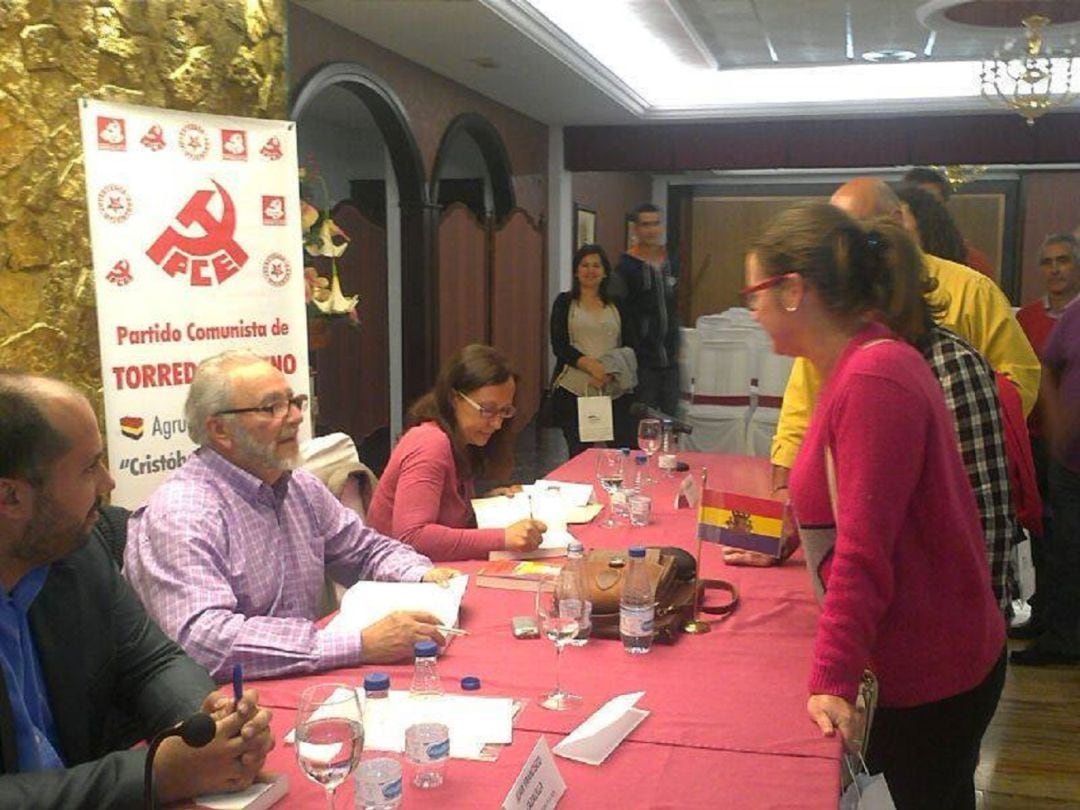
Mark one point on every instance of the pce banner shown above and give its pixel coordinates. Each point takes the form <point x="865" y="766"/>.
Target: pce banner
<point x="197" y="248"/>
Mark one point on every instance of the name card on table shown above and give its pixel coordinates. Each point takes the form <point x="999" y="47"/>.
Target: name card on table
<point x="594" y="740"/>
<point x="539" y="786"/>
<point x="689" y="494"/>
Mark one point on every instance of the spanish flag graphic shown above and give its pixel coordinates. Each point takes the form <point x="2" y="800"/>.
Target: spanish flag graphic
<point x="742" y="521"/>
<point x="131" y="426"/>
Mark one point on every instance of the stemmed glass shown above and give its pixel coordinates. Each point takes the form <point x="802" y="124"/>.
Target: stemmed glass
<point x="560" y="621"/>
<point x="329" y="735"/>
<point x="610" y="470"/>
<point x="649" y="432"/>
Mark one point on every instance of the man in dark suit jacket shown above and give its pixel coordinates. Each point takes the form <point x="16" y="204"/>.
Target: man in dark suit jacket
<point x="77" y="650"/>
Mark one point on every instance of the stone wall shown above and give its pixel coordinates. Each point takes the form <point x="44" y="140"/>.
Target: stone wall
<point x="215" y="56"/>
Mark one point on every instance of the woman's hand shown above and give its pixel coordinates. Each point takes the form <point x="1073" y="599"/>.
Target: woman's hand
<point x="594" y="368"/>
<point x="440" y="576"/>
<point x="513" y="489"/>
<point x="741" y="556"/>
<point x="525" y="535"/>
<point x="833" y="713"/>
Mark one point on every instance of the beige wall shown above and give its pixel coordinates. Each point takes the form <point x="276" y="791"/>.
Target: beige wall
<point x="218" y="56"/>
<point x="431" y="101"/>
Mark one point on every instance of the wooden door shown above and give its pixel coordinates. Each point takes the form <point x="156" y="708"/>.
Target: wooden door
<point x="463" y="281"/>
<point x="353" y="370"/>
<point x="519" y="305"/>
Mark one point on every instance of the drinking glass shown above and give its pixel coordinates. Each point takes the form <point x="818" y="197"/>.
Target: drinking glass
<point x="559" y="621"/>
<point x="649" y="432"/>
<point x="329" y="735"/>
<point x="610" y="469"/>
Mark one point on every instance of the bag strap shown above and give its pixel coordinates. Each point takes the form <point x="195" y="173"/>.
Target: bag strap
<point x="718" y="585"/>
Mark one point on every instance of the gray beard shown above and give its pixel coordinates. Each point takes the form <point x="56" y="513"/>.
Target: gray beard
<point x="261" y="455"/>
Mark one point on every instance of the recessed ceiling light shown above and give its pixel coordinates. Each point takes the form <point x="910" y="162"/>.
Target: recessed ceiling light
<point x="889" y="55"/>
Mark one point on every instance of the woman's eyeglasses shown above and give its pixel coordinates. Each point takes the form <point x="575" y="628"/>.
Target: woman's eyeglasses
<point x="275" y="410"/>
<point x="749" y="294"/>
<point x="489" y="411"/>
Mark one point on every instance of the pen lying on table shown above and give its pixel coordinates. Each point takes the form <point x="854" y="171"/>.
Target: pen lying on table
<point x="452" y="631"/>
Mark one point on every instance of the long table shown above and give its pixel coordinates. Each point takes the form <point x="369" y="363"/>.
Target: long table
<point x="728" y="724"/>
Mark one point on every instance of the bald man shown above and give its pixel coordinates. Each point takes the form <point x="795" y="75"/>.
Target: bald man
<point x="77" y="650"/>
<point x="973" y="307"/>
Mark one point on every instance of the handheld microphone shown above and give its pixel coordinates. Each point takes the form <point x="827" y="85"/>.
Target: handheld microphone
<point x="640" y="410"/>
<point x="196" y="731"/>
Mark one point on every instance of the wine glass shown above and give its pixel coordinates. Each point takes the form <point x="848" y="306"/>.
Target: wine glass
<point x="559" y="620"/>
<point x="610" y="470"/>
<point x="329" y="735"/>
<point x="649" y="432"/>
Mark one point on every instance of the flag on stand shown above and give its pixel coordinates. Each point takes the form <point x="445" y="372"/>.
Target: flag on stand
<point x="742" y="521"/>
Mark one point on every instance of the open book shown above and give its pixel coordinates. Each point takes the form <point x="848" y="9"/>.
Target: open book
<point x="549" y="504"/>
<point x="367" y="602"/>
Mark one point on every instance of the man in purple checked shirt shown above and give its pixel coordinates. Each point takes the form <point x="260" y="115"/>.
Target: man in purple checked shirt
<point x="229" y="554"/>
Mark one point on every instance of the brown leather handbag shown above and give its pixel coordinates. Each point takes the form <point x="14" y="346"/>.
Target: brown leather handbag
<point x="671" y="571"/>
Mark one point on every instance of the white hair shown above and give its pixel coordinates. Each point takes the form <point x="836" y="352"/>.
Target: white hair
<point x="211" y="389"/>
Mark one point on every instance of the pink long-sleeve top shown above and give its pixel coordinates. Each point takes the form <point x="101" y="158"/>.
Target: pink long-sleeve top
<point x="907" y="591"/>
<point x="423" y="501"/>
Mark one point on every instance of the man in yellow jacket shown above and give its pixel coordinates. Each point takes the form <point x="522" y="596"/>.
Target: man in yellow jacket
<point x="974" y="308"/>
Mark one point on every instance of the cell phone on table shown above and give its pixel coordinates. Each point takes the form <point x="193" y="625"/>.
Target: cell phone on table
<point x="525" y="627"/>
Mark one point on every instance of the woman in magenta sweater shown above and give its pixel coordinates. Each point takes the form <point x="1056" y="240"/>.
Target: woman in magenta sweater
<point x="887" y="517"/>
<point x="460" y="432"/>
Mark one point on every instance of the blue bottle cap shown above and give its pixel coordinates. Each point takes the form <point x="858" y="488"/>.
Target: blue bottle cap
<point x="470" y="683"/>
<point x="376" y="682"/>
<point x="637" y="551"/>
<point x="624" y="450"/>
<point x="425" y="649"/>
<point x="640" y="458"/>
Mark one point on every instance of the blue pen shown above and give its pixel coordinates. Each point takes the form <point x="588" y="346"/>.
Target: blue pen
<point x="238" y="682"/>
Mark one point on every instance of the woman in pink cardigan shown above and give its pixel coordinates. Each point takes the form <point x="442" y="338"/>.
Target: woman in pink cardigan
<point x="460" y="432"/>
<point x="885" y="511"/>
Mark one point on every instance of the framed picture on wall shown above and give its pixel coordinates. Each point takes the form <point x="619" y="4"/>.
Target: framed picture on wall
<point x="631" y="239"/>
<point x="584" y="226"/>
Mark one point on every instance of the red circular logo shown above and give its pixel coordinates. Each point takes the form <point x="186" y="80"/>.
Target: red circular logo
<point x="114" y="203"/>
<point x="194" y="142"/>
<point x="276" y="269"/>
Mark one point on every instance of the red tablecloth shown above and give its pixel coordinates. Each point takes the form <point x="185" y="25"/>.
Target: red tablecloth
<point x="728" y="724"/>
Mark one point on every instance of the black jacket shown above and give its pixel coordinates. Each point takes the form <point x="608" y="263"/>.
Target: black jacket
<point x="102" y="659"/>
<point x="632" y="287"/>
<point x="565" y="353"/>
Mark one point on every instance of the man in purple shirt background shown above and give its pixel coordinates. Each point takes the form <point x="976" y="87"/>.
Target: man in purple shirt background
<point x="229" y="554"/>
<point x="1060" y="395"/>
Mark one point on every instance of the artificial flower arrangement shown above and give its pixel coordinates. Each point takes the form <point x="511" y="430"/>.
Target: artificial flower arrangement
<point x="323" y="237"/>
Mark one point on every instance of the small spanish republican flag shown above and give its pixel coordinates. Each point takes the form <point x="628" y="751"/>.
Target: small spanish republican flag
<point x="742" y="521"/>
<point x="131" y="426"/>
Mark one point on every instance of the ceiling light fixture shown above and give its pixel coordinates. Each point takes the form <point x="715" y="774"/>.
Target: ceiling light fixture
<point x="1030" y="79"/>
<point x="889" y="55"/>
<point x="959" y="175"/>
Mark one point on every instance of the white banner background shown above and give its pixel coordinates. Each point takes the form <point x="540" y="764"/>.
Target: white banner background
<point x="197" y="248"/>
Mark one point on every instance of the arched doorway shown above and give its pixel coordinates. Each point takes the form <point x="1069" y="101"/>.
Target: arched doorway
<point x="356" y="131"/>
<point x="491" y="273"/>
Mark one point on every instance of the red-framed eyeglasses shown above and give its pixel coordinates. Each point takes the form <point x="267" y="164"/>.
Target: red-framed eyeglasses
<point x="748" y="294"/>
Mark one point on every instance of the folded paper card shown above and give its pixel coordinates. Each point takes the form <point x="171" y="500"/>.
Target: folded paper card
<point x="259" y="796"/>
<point x="741" y="521"/>
<point x="594" y="740"/>
<point x="367" y="602"/>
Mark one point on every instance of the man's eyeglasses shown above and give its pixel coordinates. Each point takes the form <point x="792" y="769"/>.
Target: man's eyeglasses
<point x="489" y="411"/>
<point x="749" y="294"/>
<point x="275" y="410"/>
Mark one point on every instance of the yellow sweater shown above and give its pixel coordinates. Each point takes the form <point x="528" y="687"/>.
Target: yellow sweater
<point x="975" y="309"/>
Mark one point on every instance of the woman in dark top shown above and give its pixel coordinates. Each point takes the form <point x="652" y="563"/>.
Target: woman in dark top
<point x="586" y="325"/>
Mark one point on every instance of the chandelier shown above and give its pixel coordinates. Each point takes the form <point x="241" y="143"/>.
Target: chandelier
<point x="960" y="175"/>
<point x="1030" y="79"/>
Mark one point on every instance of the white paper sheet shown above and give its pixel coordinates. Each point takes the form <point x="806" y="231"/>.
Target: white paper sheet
<point x="594" y="740"/>
<point x="367" y="602"/>
<point x="574" y="494"/>
<point x="474" y="722"/>
<point x="504" y="510"/>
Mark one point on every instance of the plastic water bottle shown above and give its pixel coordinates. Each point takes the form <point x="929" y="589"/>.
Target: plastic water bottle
<point x="573" y="591"/>
<point x="427" y="742"/>
<point x="637" y="608"/>
<point x="377" y="685"/>
<point x="666" y="460"/>
<point x="425" y="680"/>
